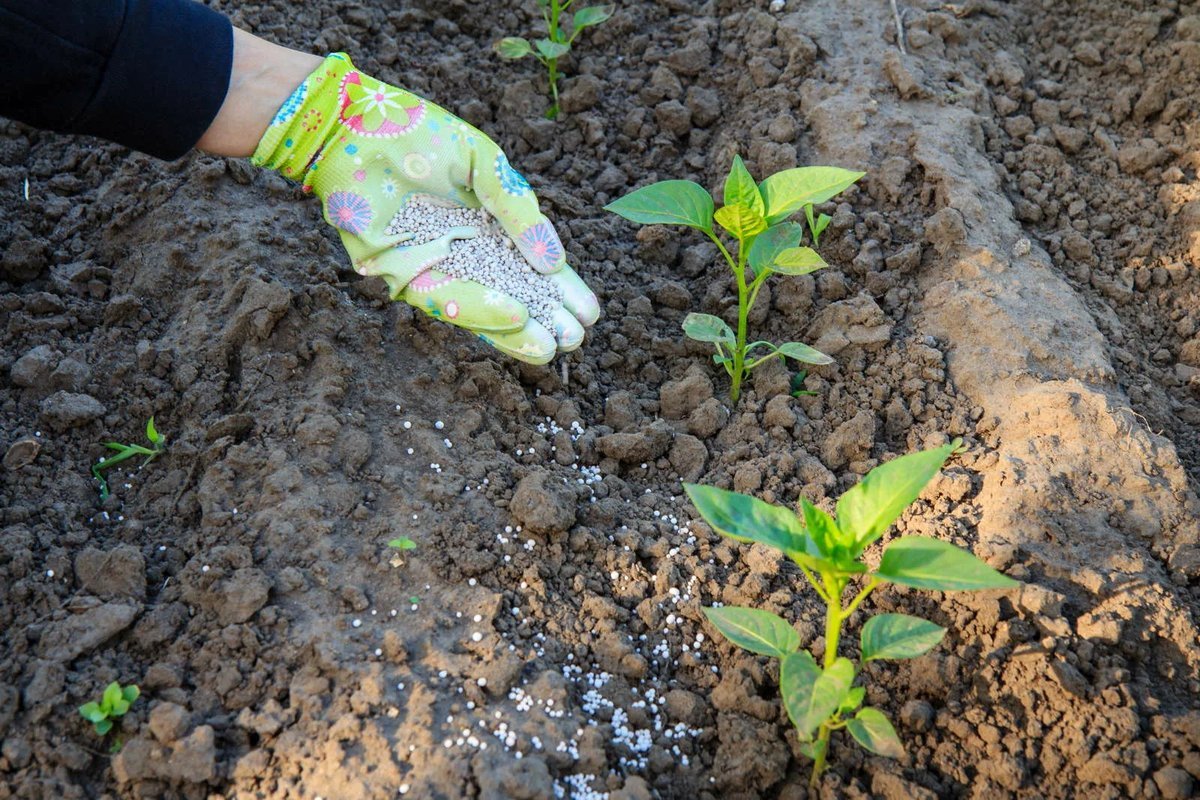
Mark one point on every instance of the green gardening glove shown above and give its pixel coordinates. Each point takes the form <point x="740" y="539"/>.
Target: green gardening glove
<point x="366" y="149"/>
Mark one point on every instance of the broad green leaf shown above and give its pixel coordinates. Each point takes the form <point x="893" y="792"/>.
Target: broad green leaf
<point x="513" y="47"/>
<point x="787" y="192"/>
<point x="870" y="507"/>
<point x="852" y="700"/>
<point x="103" y="726"/>
<point x="925" y="563"/>
<point x="92" y="712"/>
<point x="748" y="519"/>
<point x="797" y="261"/>
<point x="151" y="431"/>
<point x="823" y="530"/>
<point x="757" y="631"/>
<point x="741" y="221"/>
<point x="802" y="352"/>
<point x="112" y="693"/>
<point x="667" y="203"/>
<point x="771" y="242"/>
<point x="798" y="675"/>
<point x="131" y="693"/>
<point x="837" y="679"/>
<point x="740" y="188"/>
<point x="119" y="708"/>
<point x="592" y="15"/>
<point x="872" y="730"/>
<point x="403" y="543"/>
<point x="898" y="636"/>
<point x="552" y="49"/>
<point x="707" y="328"/>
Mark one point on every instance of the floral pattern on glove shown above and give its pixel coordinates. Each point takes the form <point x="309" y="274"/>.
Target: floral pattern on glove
<point x="291" y="105"/>
<point x="511" y="181"/>
<point x="348" y="211"/>
<point x="372" y="108"/>
<point x="541" y="246"/>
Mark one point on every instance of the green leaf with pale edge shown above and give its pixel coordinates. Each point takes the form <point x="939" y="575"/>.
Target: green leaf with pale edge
<point x="872" y="730"/>
<point x="757" y="631"/>
<point x="925" y="563"/>
<point x="552" y="49"/>
<point x="92" y="712"/>
<point x="707" y="328"/>
<point x="592" y="15"/>
<point x="131" y="693"/>
<point x="797" y="261"/>
<point x="748" y="519"/>
<point x="810" y="695"/>
<point x="741" y="221"/>
<point x="152" y="432"/>
<point x="787" y="192"/>
<point x="740" y="188"/>
<point x="513" y="47"/>
<point x="667" y="203"/>
<point x="802" y="352"/>
<point x="898" y="636"/>
<point x="870" y="507"/>
<point x="103" y="726"/>
<point x="822" y="529"/>
<point x="403" y="543"/>
<point x="771" y="242"/>
<point x="852" y="700"/>
<point x="112" y="693"/>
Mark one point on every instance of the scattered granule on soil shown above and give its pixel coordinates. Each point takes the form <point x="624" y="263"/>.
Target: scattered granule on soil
<point x="490" y="258"/>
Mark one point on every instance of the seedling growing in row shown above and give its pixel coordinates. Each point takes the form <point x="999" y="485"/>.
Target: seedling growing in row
<point x="158" y="446"/>
<point x="113" y="703"/>
<point x="561" y="35"/>
<point x="821" y="698"/>
<point x="756" y="216"/>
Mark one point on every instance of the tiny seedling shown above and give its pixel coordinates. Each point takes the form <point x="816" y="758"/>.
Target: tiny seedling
<point x="561" y="35"/>
<point x="158" y="446"/>
<point x="822" y="698"/>
<point x="403" y="543"/>
<point x="756" y="216"/>
<point x="113" y="703"/>
<point x="797" y="385"/>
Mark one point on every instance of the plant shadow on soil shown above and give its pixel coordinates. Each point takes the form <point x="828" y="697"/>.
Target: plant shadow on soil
<point x="1018" y="268"/>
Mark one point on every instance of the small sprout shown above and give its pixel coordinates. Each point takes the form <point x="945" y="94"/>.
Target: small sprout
<point x="797" y="385"/>
<point x="560" y="36"/>
<point x="756" y="216"/>
<point x="403" y="543"/>
<point x="821" y="698"/>
<point x="113" y="703"/>
<point x="127" y="451"/>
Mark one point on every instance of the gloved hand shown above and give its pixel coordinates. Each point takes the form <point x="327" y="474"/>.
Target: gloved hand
<point x="365" y="148"/>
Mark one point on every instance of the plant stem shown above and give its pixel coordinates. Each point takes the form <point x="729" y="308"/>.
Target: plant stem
<point x="834" y="616"/>
<point x="556" y="9"/>
<point x="739" y="353"/>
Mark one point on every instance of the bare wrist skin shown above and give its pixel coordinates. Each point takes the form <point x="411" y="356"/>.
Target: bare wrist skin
<point x="264" y="76"/>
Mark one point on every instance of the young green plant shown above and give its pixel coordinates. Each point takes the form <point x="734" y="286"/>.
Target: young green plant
<point x="561" y="34"/>
<point x="158" y="446"/>
<point x="757" y="217"/>
<point x="820" y="697"/>
<point x="113" y="703"/>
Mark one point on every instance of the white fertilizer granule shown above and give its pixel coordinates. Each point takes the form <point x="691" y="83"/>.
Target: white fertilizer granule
<point x="490" y="258"/>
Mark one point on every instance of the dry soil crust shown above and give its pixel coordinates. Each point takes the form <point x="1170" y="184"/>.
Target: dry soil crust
<point x="1019" y="268"/>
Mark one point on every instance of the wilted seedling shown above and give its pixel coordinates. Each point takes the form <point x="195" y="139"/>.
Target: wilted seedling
<point x="560" y="36"/>
<point x="822" y="698"/>
<point x="756" y="216"/>
<point x="127" y="451"/>
<point x="113" y="703"/>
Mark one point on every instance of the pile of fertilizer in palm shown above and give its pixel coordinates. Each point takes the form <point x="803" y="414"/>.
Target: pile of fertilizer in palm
<point x="490" y="258"/>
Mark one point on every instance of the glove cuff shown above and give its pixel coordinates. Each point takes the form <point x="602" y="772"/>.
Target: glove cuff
<point x="296" y="137"/>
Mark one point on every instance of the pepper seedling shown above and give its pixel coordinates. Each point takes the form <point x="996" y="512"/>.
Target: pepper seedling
<point x="756" y="216"/>
<point x="126" y="451"/>
<point x="403" y="543"/>
<point x="821" y="698"/>
<point x="561" y="35"/>
<point x="113" y="703"/>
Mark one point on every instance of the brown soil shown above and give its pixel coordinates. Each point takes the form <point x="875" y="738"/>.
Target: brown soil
<point x="1021" y="268"/>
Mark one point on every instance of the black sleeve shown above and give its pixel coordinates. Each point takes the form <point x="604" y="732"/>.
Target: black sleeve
<point x="148" y="74"/>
